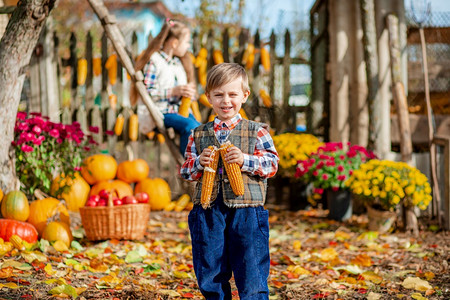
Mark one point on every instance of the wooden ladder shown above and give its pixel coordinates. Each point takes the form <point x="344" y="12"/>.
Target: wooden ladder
<point x="109" y="23"/>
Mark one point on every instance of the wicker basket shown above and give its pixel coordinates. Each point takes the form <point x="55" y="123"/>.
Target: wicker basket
<point x="124" y="222"/>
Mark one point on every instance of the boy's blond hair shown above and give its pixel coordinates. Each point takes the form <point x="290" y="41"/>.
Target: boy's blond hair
<point x="224" y="73"/>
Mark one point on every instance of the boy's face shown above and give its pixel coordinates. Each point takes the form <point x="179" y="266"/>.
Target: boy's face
<point x="227" y="100"/>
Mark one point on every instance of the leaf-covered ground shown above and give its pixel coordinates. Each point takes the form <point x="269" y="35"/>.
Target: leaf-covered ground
<point x="311" y="257"/>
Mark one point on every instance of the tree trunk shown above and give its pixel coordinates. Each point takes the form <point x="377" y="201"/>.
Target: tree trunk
<point x="16" y="47"/>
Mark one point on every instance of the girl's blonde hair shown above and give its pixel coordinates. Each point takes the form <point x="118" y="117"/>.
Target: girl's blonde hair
<point x="224" y="73"/>
<point x="171" y="28"/>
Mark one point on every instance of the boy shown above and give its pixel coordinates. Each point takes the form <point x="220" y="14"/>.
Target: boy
<point x="232" y="235"/>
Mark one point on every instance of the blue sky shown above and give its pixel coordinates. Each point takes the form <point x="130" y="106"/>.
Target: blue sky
<point x="278" y="13"/>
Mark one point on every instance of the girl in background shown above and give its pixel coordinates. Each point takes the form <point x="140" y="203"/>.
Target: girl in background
<point x="168" y="76"/>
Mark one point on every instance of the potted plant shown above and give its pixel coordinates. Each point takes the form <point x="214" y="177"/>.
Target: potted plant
<point x="45" y="149"/>
<point x="291" y="148"/>
<point x="328" y="168"/>
<point x="384" y="185"/>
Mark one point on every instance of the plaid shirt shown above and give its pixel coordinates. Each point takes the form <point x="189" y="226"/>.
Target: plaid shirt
<point x="161" y="74"/>
<point x="263" y="162"/>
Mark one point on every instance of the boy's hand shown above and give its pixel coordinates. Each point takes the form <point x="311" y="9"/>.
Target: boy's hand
<point x="234" y="155"/>
<point x="205" y="158"/>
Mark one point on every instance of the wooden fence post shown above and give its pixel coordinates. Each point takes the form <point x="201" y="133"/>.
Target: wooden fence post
<point x="288" y="122"/>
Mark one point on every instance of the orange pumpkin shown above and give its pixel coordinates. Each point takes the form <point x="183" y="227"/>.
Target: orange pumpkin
<point x="158" y="191"/>
<point x="132" y="170"/>
<point x="76" y="191"/>
<point x="15" y="206"/>
<point x="24" y="230"/>
<point x="56" y="230"/>
<point x="123" y="189"/>
<point x="1" y="195"/>
<point x="99" y="167"/>
<point x="43" y="209"/>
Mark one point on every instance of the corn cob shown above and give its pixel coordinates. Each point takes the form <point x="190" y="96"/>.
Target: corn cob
<point x="111" y="66"/>
<point x="184" y="107"/>
<point x="211" y="117"/>
<point x="201" y="57"/>
<point x="81" y="71"/>
<point x="243" y="114"/>
<point x="217" y="57"/>
<point x="182" y="202"/>
<point x="97" y="66"/>
<point x="204" y="100"/>
<point x="209" y="174"/>
<point x="170" y="206"/>
<point x="151" y="135"/>
<point x="118" y="127"/>
<point x="196" y="111"/>
<point x="233" y="171"/>
<point x="161" y="139"/>
<point x="133" y="127"/>
<point x="265" y="59"/>
<point x="17" y="242"/>
<point x="267" y="101"/>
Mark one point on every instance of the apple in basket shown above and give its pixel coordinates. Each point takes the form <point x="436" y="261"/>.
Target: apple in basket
<point x="104" y="194"/>
<point x="117" y="201"/>
<point x="142" y="197"/>
<point x="93" y="200"/>
<point x="129" y="200"/>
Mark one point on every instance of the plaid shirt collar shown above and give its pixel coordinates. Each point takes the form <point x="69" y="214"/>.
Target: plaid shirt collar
<point x="169" y="60"/>
<point x="230" y="124"/>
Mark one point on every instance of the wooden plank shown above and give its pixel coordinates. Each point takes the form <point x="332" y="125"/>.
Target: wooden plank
<point x="225" y="45"/>
<point x="444" y="141"/>
<point x="419" y="128"/>
<point x="89" y="100"/>
<point x="434" y="35"/>
<point x="398" y="90"/>
<point x="287" y="122"/>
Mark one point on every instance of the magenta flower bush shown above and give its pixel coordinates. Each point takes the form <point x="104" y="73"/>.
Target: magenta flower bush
<point x="331" y="165"/>
<point x="45" y="149"/>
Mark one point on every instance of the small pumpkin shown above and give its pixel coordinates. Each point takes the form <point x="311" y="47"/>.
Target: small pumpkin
<point x="1" y="195"/>
<point x="99" y="167"/>
<point x="58" y="230"/>
<point x="132" y="170"/>
<point x="76" y="194"/>
<point x="24" y="230"/>
<point x="158" y="191"/>
<point x="15" y="206"/>
<point x="44" y="209"/>
<point x="121" y="187"/>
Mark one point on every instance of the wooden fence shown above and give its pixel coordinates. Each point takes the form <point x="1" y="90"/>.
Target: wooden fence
<point x="57" y="92"/>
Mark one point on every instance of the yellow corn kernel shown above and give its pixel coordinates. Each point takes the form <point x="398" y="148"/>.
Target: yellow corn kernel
<point x="17" y="242"/>
<point x="209" y="174"/>
<point x="184" y="107"/>
<point x="233" y="171"/>
<point x="196" y="111"/>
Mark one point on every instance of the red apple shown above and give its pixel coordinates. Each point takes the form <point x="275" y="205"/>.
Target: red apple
<point x="94" y="198"/>
<point x="104" y="194"/>
<point x="91" y="203"/>
<point x="142" y="197"/>
<point x="117" y="202"/>
<point x="102" y="202"/>
<point x="129" y="200"/>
